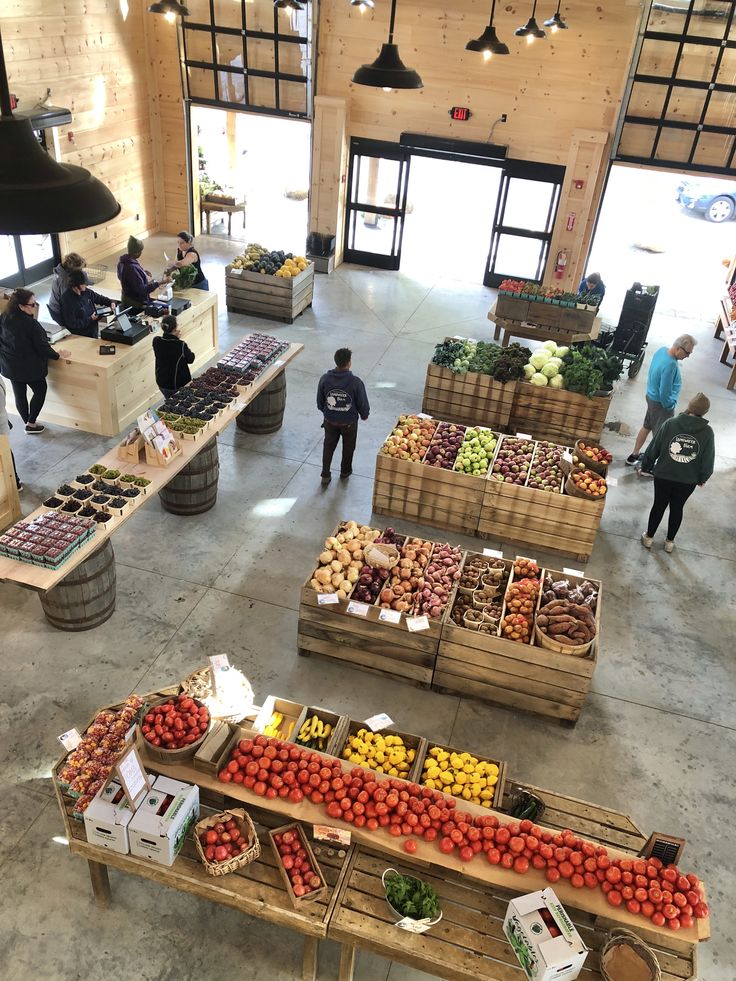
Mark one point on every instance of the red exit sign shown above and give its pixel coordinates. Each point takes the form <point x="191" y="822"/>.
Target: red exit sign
<point x="461" y="113"/>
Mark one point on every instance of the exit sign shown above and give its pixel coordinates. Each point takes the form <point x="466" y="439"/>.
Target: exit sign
<point x="461" y="113"/>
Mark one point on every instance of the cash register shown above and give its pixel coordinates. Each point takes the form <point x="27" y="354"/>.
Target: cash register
<point x="124" y="330"/>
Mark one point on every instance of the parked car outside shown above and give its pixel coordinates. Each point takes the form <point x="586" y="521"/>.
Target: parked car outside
<point x="715" y="200"/>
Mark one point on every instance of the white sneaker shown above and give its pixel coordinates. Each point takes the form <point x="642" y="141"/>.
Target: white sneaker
<point x="668" y="545"/>
<point x="647" y="541"/>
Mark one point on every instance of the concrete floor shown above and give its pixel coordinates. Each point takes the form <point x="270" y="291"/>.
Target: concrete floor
<point x="657" y="738"/>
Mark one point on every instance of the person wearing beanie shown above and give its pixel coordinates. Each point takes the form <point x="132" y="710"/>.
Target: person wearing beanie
<point x="136" y="284"/>
<point x="173" y="358"/>
<point x="680" y="457"/>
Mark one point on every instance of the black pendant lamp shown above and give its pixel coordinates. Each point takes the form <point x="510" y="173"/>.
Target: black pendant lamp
<point x="388" y="71"/>
<point x="363" y="5"/>
<point x="531" y="29"/>
<point x="37" y="194"/>
<point x="556" y="23"/>
<point x="171" y="9"/>
<point x="488" y="42"/>
<point x="288" y="5"/>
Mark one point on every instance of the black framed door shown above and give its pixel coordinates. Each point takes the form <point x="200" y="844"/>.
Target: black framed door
<point x="522" y="226"/>
<point x="25" y="259"/>
<point x="378" y="178"/>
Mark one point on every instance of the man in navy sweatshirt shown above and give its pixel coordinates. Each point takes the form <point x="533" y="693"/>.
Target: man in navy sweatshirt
<point x="79" y="306"/>
<point x="341" y="398"/>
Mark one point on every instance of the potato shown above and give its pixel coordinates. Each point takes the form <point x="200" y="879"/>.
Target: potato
<point x="344" y="558"/>
<point x="322" y="576"/>
<point x="352" y="546"/>
<point x="336" y="565"/>
<point x="337" y="579"/>
<point x="316" y="585"/>
<point x="341" y="594"/>
<point x="356" y="564"/>
<point x="358" y="555"/>
<point x="353" y="573"/>
<point x="326" y="557"/>
<point x="331" y="543"/>
<point x="346" y="586"/>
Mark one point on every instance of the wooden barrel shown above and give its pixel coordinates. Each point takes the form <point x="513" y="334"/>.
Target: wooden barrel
<point x="265" y="414"/>
<point x="194" y="489"/>
<point x="86" y="597"/>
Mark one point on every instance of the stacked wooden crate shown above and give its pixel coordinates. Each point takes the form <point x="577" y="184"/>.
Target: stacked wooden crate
<point x="470" y="399"/>
<point x="270" y="297"/>
<point x="553" y="413"/>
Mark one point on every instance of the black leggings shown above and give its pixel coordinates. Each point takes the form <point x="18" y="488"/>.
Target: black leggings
<point x="672" y="494"/>
<point x="29" y="414"/>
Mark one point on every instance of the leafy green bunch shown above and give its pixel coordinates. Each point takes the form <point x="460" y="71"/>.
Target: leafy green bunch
<point x="412" y="897"/>
<point x="589" y="368"/>
<point x="184" y="277"/>
<point x="510" y="363"/>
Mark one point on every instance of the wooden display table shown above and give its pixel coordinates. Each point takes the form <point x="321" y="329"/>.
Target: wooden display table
<point x="105" y="394"/>
<point x="270" y="297"/>
<point x="540" y="332"/>
<point x="9" y="500"/>
<point x="208" y="208"/>
<point x="198" y="483"/>
<point x="558" y="415"/>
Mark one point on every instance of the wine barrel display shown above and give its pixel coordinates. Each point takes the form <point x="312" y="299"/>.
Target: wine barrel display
<point x="86" y="598"/>
<point x="194" y="489"/>
<point x="265" y="414"/>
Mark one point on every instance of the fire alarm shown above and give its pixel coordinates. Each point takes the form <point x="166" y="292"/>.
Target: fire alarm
<point x="70" y="136"/>
<point x="579" y="185"/>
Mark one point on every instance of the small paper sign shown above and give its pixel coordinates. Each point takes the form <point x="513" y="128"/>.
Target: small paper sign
<point x="612" y="481"/>
<point x="219" y="668"/>
<point x="523" y="436"/>
<point x="567" y="456"/>
<point x="573" y="572"/>
<point x="473" y="340"/>
<point x="70" y="739"/>
<point x="415" y="624"/>
<point x="493" y="552"/>
<point x="390" y="616"/>
<point x="333" y="836"/>
<point x="325" y="599"/>
<point x="218" y="662"/>
<point x="358" y="609"/>
<point x="378" y="722"/>
<point x="133" y="777"/>
<point x="414" y="926"/>
<point x="423" y="415"/>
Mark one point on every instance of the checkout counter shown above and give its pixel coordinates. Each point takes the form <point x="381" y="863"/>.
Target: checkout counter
<point x="105" y="393"/>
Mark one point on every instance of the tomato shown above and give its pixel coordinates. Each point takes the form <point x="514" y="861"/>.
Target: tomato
<point x="456" y="835"/>
<point x="466" y="854"/>
<point x="516" y="845"/>
<point x="590" y="880"/>
<point x="614" y="898"/>
<point x="507" y="860"/>
<point x="259" y="788"/>
<point x="503" y="836"/>
<point x="577" y="880"/>
<point x="566" y="870"/>
<point x="576" y="858"/>
<point x="220" y="853"/>
<point x="239" y="777"/>
<point x="521" y="864"/>
<point x="538" y="862"/>
<point x="553" y="875"/>
<point x="547" y="851"/>
<point x="633" y="906"/>
<point x="494" y="856"/>
<point x="604" y="862"/>
<point x="410" y="846"/>
<point x="613" y="874"/>
<point x="686" y="921"/>
<point x="640" y="895"/>
<point x="700" y="911"/>
<point x="225" y="776"/>
<point x="658" y="919"/>
<point x="447" y="845"/>
<point x="679" y="900"/>
<point x="655" y="895"/>
<point x="670" y="875"/>
<point x="395" y="830"/>
<point x="674" y="923"/>
<point x="647" y="908"/>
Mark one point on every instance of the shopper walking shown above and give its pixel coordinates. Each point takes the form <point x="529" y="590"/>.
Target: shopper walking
<point x="664" y="382"/>
<point x="341" y="398"/>
<point x="73" y="262"/>
<point x="5" y="427"/>
<point x="24" y="356"/>
<point x="187" y="255"/>
<point x="681" y="457"/>
<point x="173" y="358"/>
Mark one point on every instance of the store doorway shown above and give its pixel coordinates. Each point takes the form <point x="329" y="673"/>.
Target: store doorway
<point x="666" y="229"/>
<point x="25" y="259"/>
<point x="263" y="161"/>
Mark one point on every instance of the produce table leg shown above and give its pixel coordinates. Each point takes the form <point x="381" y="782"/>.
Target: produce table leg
<point x="724" y="353"/>
<point x="194" y="489"/>
<point x="347" y="962"/>
<point x="309" y="963"/>
<point x="732" y="380"/>
<point x="100" y="883"/>
<point x="506" y="338"/>
<point x="86" y="597"/>
<point x="265" y="414"/>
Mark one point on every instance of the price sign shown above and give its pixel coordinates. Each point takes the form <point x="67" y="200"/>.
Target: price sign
<point x="423" y="415"/>
<point x="493" y="552"/>
<point x="378" y="722"/>
<point x="324" y="599"/>
<point x="219" y="668"/>
<point x="567" y="456"/>
<point x="574" y="572"/>
<point x="415" y="624"/>
<point x="523" y="436"/>
<point x="414" y="926"/>
<point x="133" y="777"/>
<point x="389" y="616"/>
<point x="358" y="609"/>
<point x="333" y="836"/>
<point x="70" y="739"/>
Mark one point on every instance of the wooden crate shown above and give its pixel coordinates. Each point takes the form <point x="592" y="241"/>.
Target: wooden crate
<point x="498" y="790"/>
<point x="298" y="901"/>
<point x="269" y="297"/>
<point x="339" y="724"/>
<point x="411" y="741"/>
<point x="366" y="642"/>
<point x="429" y="495"/>
<point x="556" y="522"/>
<point x="9" y="501"/>
<point x="545" y="314"/>
<point x="521" y="676"/>
<point x="557" y="415"/>
<point x="470" y="399"/>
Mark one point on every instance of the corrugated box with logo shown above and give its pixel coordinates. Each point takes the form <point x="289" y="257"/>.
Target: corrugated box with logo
<point x="163" y="820"/>
<point x="544" y="939"/>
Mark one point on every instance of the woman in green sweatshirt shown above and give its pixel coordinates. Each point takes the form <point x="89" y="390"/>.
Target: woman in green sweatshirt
<point x="681" y="457"/>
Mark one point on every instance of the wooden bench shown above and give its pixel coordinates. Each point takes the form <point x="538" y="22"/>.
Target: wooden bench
<point x="208" y="208"/>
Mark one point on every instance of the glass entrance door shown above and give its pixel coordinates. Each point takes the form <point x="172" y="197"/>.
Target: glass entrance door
<point x="25" y="259"/>
<point x="376" y="203"/>
<point x="522" y="226"/>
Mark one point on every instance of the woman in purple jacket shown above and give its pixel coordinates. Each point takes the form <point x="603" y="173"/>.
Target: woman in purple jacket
<point x="136" y="284"/>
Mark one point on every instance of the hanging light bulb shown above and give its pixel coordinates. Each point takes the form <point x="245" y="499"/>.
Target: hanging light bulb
<point x="531" y="29"/>
<point x="388" y="71"/>
<point x="37" y="194"/>
<point x="488" y="42"/>
<point x="288" y="5"/>
<point x="171" y="9"/>
<point x="556" y="23"/>
<point x="363" y="5"/>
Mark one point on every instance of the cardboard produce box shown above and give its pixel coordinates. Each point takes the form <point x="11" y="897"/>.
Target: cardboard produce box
<point x="163" y="820"/>
<point x="107" y="818"/>
<point x="544" y="939"/>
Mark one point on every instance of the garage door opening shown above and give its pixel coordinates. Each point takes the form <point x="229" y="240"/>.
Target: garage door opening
<point x="675" y="231"/>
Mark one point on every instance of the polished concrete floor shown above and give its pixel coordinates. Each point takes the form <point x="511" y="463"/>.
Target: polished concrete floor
<point x="657" y="738"/>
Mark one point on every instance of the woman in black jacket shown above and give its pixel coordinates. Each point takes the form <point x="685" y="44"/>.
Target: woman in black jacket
<point x="173" y="358"/>
<point x="24" y="356"/>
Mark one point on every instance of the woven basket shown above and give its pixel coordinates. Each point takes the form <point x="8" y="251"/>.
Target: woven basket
<point x="575" y="650"/>
<point x="624" y="938"/>
<point x="599" y="468"/>
<point x="198" y="685"/>
<point x="96" y="272"/>
<point x="171" y="756"/>
<point x="246" y="828"/>
<point x="572" y="491"/>
<point x="381" y="556"/>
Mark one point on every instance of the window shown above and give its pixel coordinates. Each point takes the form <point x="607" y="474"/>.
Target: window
<point x="680" y="105"/>
<point x="249" y="54"/>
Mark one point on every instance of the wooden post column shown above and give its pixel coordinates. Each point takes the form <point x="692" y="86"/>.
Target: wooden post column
<point x="329" y="170"/>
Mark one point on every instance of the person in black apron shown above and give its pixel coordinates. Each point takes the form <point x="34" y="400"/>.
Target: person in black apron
<point x="187" y="255"/>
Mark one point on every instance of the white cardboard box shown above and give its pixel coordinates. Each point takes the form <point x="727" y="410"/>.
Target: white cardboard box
<point x="163" y="820"/>
<point x="544" y="939"/>
<point x="107" y="818"/>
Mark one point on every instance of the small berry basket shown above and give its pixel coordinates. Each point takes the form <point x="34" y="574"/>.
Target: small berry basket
<point x="246" y="833"/>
